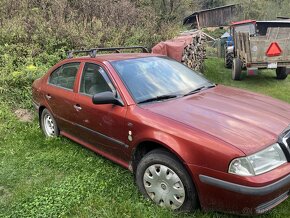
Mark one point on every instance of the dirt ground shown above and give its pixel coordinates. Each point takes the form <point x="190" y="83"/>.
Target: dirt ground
<point x="24" y="115"/>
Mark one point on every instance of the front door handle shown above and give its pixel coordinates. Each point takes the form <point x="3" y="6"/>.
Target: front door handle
<point x="77" y="107"/>
<point x="48" y="96"/>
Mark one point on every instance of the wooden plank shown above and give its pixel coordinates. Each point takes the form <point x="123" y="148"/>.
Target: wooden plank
<point x="247" y="47"/>
<point x="197" y="20"/>
<point x="277" y="32"/>
<point x="243" y="54"/>
<point x="236" y="48"/>
<point x="261" y="50"/>
<point x="253" y="52"/>
<point x="239" y="43"/>
<point x="208" y="36"/>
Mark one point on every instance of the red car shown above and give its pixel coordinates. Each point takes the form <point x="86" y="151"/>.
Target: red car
<point x="188" y="141"/>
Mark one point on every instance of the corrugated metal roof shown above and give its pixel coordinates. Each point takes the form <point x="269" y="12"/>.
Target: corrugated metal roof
<point x="206" y="10"/>
<point x="216" y="8"/>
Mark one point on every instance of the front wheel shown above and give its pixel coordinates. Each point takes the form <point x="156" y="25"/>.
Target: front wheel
<point x="281" y="73"/>
<point x="163" y="179"/>
<point x="48" y="124"/>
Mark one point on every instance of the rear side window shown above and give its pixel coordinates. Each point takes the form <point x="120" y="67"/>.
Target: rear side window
<point x="64" y="76"/>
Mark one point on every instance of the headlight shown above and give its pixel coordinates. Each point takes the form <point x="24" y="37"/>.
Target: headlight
<point x="258" y="163"/>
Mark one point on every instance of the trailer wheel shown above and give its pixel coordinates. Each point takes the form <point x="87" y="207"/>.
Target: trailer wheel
<point x="237" y="69"/>
<point x="229" y="56"/>
<point x="281" y="73"/>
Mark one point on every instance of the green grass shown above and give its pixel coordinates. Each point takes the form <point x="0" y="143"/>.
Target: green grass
<point x="58" y="178"/>
<point x="264" y="83"/>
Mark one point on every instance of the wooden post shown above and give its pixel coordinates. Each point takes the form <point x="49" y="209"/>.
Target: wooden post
<point x="197" y="20"/>
<point x="219" y="48"/>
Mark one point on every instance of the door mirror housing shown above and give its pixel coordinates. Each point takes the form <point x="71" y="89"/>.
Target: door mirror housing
<point x="106" y="98"/>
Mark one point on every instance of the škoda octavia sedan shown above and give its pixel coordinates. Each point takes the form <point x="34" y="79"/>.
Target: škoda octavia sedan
<point x="188" y="141"/>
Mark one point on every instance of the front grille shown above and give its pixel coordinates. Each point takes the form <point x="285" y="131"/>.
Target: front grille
<point x="287" y="142"/>
<point x="284" y="141"/>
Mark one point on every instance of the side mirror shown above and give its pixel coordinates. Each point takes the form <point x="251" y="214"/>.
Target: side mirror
<point x="106" y="98"/>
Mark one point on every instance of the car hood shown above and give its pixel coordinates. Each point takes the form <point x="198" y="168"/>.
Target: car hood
<point x="246" y="120"/>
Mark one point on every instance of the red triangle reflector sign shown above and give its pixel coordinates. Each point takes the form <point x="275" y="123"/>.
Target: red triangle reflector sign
<point x="274" y="50"/>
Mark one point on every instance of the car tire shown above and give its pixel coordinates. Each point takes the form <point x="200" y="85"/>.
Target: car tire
<point x="237" y="69"/>
<point x="48" y="124"/>
<point x="281" y="73"/>
<point x="161" y="177"/>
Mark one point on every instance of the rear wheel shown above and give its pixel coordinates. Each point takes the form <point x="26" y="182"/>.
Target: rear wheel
<point x="48" y="124"/>
<point x="281" y="73"/>
<point x="237" y="69"/>
<point x="163" y="179"/>
<point x="229" y="56"/>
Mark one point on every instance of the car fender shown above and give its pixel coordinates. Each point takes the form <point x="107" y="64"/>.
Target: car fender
<point x="163" y="139"/>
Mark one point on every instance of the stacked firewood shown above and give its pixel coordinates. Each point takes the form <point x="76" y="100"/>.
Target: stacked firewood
<point x="194" y="53"/>
<point x="188" y="48"/>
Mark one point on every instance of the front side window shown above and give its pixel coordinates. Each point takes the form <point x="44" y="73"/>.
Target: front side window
<point x="149" y="77"/>
<point x="94" y="80"/>
<point x="64" y="76"/>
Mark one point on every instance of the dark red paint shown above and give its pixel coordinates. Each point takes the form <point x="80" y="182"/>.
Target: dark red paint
<point x="205" y="130"/>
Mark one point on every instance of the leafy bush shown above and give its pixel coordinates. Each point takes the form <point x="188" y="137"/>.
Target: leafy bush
<point x="34" y="35"/>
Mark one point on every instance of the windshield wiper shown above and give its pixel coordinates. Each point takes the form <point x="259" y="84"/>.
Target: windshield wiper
<point x="199" y="89"/>
<point x="158" y="98"/>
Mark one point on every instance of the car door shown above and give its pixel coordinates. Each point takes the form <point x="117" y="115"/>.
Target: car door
<point x="60" y="95"/>
<point x="102" y="125"/>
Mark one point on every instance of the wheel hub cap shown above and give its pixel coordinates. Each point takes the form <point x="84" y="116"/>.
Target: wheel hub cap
<point x="164" y="186"/>
<point x="48" y="125"/>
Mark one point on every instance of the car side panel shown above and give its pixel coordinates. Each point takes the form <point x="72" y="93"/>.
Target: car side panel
<point x="102" y="125"/>
<point x="61" y="102"/>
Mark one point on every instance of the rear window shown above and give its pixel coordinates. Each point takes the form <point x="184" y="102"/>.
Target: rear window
<point x="64" y="76"/>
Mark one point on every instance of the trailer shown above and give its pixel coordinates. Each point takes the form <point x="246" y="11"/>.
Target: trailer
<point x="248" y="26"/>
<point x="271" y="51"/>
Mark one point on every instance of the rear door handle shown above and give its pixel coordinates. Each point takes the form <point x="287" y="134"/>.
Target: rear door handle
<point x="77" y="107"/>
<point x="48" y="96"/>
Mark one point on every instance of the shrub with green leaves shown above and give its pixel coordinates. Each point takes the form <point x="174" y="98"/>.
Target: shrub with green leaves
<point x="34" y="35"/>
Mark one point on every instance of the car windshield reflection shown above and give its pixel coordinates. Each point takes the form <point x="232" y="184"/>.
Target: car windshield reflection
<point x="150" y="77"/>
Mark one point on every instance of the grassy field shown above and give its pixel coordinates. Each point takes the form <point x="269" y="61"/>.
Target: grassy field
<point x="58" y="178"/>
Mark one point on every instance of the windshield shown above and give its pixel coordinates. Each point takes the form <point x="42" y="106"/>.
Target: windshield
<point x="151" y="77"/>
<point x="248" y="28"/>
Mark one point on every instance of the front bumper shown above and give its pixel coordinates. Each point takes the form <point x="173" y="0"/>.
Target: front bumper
<point x="246" y="190"/>
<point x="229" y="193"/>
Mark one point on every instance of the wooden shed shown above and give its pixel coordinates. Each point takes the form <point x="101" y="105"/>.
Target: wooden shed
<point x="219" y="16"/>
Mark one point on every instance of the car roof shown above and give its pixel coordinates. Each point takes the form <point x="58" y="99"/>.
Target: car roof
<point x="115" y="57"/>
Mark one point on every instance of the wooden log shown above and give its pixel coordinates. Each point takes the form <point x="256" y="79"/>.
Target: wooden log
<point x="194" y="54"/>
